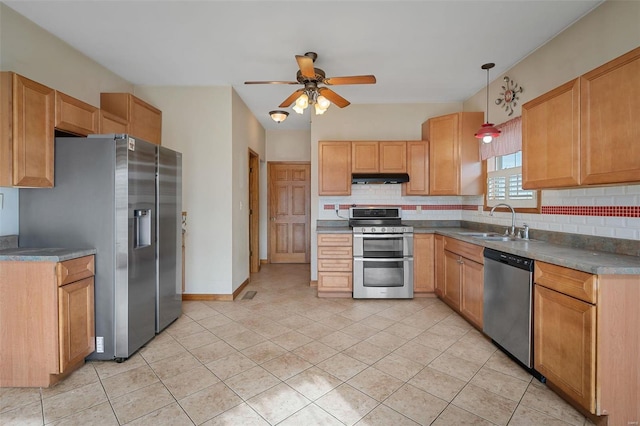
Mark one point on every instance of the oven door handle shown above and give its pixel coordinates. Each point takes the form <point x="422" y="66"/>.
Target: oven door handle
<point x="381" y="259"/>
<point x="379" y="236"/>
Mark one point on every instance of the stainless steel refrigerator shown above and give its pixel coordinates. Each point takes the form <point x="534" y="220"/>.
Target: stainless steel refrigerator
<point x="106" y="197"/>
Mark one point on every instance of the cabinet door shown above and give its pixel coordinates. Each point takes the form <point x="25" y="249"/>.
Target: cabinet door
<point x="365" y="157"/>
<point x="551" y="138"/>
<point x="75" y="116"/>
<point x="145" y="121"/>
<point x="33" y="133"/>
<point x="423" y="263"/>
<point x="444" y="161"/>
<point x="472" y="298"/>
<point x="417" y="168"/>
<point x="75" y="322"/>
<point x="452" y="264"/>
<point x="439" y="264"/>
<point x="565" y="343"/>
<point x="610" y="128"/>
<point x="111" y="123"/>
<point x="393" y="157"/>
<point x="334" y="168"/>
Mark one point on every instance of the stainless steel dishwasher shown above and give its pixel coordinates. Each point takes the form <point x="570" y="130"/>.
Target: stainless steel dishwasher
<point x="508" y="288"/>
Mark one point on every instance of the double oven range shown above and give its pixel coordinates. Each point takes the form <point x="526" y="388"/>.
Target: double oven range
<point x="382" y="253"/>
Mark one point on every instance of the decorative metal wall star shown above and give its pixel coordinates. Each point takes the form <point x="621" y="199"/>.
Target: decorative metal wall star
<point x="509" y="95"/>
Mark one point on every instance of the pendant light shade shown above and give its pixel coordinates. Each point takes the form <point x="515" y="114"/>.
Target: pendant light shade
<point x="488" y="131"/>
<point x="278" y="116"/>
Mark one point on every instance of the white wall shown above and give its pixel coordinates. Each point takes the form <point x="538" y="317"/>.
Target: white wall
<point x="281" y="145"/>
<point x="247" y="133"/>
<point x="35" y="53"/>
<point x="606" y="33"/>
<point x="197" y="122"/>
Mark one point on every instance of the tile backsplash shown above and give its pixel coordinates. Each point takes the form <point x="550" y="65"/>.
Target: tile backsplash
<point x="605" y="211"/>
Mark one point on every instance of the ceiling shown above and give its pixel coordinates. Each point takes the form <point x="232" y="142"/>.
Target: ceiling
<point x="419" y="51"/>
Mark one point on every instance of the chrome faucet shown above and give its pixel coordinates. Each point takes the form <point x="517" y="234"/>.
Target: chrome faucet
<point x="513" y="217"/>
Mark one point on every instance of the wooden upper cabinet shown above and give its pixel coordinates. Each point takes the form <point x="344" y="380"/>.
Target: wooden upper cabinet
<point x="379" y="157"/>
<point x="393" y="156"/>
<point x="26" y="132"/>
<point x="610" y="121"/>
<point x="75" y="116"/>
<point x="454" y="159"/>
<point x="365" y="157"/>
<point x="334" y="168"/>
<point x="417" y="168"/>
<point x="145" y="120"/>
<point x="111" y="123"/>
<point x="551" y="138"/>
<point x="585" y="132"/>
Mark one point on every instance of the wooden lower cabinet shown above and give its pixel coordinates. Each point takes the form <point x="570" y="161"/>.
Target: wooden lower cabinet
<point x="335" y="265"/>
<point x="423" y="265"/>
<point x="439" y="265"/>
<point x="462" y="278"/>
<point x="587" y="339"/>
<point x="47" y="319"/>
<point x="565" y="343"/>
<point x="472" y="292"/>
<point x="451" y="293"/>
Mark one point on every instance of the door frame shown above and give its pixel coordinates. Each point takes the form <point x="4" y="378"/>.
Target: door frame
<point x="308" y="223"/>
<point x="254" y="211"/>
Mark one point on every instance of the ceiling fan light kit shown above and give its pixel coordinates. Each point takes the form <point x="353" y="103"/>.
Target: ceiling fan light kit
<point x="488" y="131"/>
<point x="320" y="97"/>
<point x="278" y="115"/>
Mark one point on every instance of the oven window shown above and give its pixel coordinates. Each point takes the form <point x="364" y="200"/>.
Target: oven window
<point x="382" y="247"/>
<point x="383" y="274"/>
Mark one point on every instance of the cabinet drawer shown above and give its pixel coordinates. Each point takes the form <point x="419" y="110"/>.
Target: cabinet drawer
<point x="75" y="269"/>
<point x="343" y="265"/>
<point x="335" y="240"/>
<point x="335" y="281"/>
<point x="328" y="252"/>
<point x="470" y="251"/>
<point x="578" y="284"/>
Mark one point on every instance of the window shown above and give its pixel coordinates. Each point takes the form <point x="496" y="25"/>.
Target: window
<point x="504" y="182"/>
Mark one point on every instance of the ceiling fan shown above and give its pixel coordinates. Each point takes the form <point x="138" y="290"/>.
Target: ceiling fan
<point x="312" y="93"/>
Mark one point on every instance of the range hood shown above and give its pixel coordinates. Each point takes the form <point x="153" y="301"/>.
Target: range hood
<point x="362" y="178"/>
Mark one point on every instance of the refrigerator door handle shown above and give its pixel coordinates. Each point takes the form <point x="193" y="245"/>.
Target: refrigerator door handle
<point x="142" y="228"/>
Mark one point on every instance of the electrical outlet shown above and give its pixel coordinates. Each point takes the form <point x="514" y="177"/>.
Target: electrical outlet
<point x="100" y="344"/>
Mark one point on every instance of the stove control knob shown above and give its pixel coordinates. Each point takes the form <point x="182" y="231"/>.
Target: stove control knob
<point x="383" y="229"/>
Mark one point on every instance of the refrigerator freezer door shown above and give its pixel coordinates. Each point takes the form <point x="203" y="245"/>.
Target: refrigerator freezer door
<point x="169" y="242"/>
<point x="139" y="288"/>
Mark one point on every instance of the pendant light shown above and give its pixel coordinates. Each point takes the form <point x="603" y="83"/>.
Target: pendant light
<point x="278" y="116"/>
<point x="488" y="131"/>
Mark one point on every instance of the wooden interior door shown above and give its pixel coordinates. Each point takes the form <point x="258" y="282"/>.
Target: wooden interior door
<point x="289" y="212"/>
<point x="254" y="209"/>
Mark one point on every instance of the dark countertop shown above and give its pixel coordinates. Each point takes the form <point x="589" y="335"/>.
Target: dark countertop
<point x="591" y="261"/>
<point x="24" y="254"/>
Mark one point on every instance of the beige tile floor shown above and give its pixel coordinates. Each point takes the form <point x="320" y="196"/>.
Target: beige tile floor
<point x="289" y="358"/>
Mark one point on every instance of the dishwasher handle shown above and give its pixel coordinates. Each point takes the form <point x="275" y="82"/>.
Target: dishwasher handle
<point x="509" y="259"/>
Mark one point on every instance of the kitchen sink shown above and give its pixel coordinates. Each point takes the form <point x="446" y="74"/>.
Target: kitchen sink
<point x="487" y="236"/>
<point x="479" y="234"/>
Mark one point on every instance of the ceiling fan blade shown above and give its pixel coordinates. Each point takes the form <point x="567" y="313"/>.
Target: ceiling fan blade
<point x="271" y="82"/>
<point x="291" y="99"/>
<point x="333" y="97"/>
<point x="354" y="79"/>
<point x="306" y="66"/>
